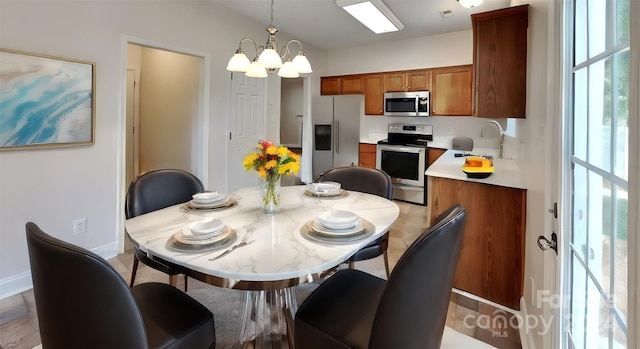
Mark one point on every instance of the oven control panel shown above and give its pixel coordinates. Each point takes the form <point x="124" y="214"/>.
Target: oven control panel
<point x="410" y="129"/>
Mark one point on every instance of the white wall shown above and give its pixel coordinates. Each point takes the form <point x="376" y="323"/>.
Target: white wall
<point x="290" y="108"/>
<point x="53" y="187"/>
<point x="169" y="106"/>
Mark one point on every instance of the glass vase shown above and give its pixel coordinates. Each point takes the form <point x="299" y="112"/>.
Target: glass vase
<point x="270" y="194"/>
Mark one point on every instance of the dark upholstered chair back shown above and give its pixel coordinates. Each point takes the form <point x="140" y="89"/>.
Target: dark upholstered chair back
<point x="362" y="179"/>
<point x="158" y="189"/>
<point x="81" y="300"/>
<point x="413" y="308"/>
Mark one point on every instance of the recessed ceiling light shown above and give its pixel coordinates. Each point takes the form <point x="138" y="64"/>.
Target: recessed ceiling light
<point x="374" y="14"/>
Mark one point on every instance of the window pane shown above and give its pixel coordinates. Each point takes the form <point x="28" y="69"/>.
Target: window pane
<point x="599" y="124"/>
<point x="578" y="297"/>
<point x="600" y="239"/>
<point x="619" y="337"/>
<point x="597" y="318"/>
<point x="621" y="97"/>
<point x="580" y="32"/>
<point x="622" y="21"/>
<point x="580" y="114"/>
<point x="579" y="237"/>
<point x="620" y="281"/>
<point x="597" y="11"/>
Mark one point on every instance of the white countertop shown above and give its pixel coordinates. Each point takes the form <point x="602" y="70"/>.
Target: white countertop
<point x="506" y="172"/>
<point x="279" y="251"/>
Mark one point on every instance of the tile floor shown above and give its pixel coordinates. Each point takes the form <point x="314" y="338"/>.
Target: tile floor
<point x="19" y="324"/>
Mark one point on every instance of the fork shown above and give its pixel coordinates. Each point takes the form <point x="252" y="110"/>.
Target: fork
<point x="229" y="250"/>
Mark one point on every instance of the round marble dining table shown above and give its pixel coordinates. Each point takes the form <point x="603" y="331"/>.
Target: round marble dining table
<point x="276" y="258"/>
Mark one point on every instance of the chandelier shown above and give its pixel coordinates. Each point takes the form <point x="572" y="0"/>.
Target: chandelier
<point x="268" y="57"/>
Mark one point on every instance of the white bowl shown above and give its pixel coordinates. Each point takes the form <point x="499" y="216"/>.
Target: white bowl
<point x="208" y="197"/>
<point x="337" y="218"/>
<point x="326" y="187"/>
<point x="206" y="226"/>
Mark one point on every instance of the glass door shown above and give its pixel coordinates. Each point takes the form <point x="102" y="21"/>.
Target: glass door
<point x="597" y="134"/>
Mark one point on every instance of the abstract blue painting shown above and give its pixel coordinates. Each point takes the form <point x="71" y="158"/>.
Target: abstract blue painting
<point x="45" y="101"/>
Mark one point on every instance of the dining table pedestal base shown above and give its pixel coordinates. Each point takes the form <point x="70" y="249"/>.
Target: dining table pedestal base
<point x="266" y="319"/>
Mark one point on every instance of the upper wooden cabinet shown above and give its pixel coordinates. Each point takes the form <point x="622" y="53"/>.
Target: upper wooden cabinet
<point x="374" y="94"/>
<point x="403" y="81"/>
<point x="336" y="85"/>
<point x="451" y="92"/>
<point x="500" y="62"/>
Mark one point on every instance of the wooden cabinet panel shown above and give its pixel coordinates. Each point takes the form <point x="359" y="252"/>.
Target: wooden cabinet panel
<point x="374" y="94"/>
<point x="491" y="263"/>
<point x="367" y="155"/>
<point x="352" y="85"/>
<point x="419" y="80"/>
<point x="394" y="82"/>
<point x="330" y="85"/>
<point x="433" y="154"/>
<point x="500" y="62"/>
<point x="452" y="91"/>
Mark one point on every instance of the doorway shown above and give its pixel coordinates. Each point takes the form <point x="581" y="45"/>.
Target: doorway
<point x="164" y="112"/>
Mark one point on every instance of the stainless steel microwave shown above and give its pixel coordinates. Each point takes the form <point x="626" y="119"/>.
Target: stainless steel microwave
<point x="406" y="103"/>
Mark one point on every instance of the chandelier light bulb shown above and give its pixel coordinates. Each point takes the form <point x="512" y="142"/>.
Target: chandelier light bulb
<point x="288" y="70"/>
<point x="256" y="71"/>
<point x="301" y="63"/>
<point x="239" y="62"/>
<point x="270" y="59"/>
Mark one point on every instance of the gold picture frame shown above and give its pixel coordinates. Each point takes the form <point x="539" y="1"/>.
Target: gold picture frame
<point x="45" y="101"/>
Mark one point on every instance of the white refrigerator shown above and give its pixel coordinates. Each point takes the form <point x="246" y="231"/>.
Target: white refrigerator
<point x="336" y="130"/>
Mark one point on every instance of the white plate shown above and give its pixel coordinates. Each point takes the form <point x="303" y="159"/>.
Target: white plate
<point x="202" y="199"/>
<point x="337" y="217"/>
<point x="186" y="237"/>
<point x="324" y="187"/>
<point x="340" y="226"/>
<point x="219" y="203"/>
<point x="206" y="226"/>
<point x="354" y="229"/>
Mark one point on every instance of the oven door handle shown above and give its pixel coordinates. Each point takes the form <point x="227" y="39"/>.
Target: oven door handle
<point x="415" y="150"/>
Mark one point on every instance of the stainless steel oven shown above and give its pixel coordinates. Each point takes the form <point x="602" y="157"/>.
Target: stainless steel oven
<point x="403" y="156"/>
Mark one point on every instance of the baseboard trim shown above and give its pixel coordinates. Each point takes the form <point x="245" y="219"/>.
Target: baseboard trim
<point x="21" y="282"/>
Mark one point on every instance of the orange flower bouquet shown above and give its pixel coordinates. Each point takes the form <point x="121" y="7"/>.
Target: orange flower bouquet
<point x="271" y="162"/>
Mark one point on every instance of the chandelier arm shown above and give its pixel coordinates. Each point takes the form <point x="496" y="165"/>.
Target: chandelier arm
<point x="285" y="50"/>
<point x="255" y="45"/>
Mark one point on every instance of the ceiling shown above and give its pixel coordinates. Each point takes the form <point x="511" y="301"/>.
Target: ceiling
<point x="325" y="25"/>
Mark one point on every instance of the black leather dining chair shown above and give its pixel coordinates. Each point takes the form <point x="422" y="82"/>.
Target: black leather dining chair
<point x="371" y="181"/>
<point x="353" y="309"/>
<point x="82" y="302"/>
<point x="152" y="191"/>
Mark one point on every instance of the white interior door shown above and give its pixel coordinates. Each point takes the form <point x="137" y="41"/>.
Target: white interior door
<point x="596" y="168"/>
<point x="247" y="126"/>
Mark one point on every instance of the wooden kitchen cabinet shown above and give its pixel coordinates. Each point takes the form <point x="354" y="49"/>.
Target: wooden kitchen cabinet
<point x="491" y="263"/>
<point x="352" y="85"/>
<point x="433" y="154"/>
<point x="330" y="85"/>
<point x="367" y="155"/>
<point x="341" y="85"/>
<point x="374" y="94"/>
<point x="451" y="92"/>
<point x="404" y="81"/>
<point x="500" y="62"/>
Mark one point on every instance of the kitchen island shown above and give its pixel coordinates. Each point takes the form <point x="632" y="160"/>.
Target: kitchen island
<point x="491" y="263"/>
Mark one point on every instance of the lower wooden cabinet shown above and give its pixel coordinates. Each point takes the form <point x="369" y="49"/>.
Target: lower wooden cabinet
<point x="491" y="263"/>
<point x="367" y="155"/>
<point x="433" y="154"/>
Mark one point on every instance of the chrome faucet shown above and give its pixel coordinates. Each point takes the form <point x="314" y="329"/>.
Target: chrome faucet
<point x="500" y="136"/>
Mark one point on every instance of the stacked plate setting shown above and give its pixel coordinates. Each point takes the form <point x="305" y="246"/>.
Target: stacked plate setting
<point x="324" y="189"/>
<point x="204" y="231"/>
<point x="338" y="223"/>
<point x="211" y="199"/>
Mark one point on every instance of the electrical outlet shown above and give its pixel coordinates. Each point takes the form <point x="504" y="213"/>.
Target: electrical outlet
<point x="80" y="226"/>
<point x="449" y="131"/>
